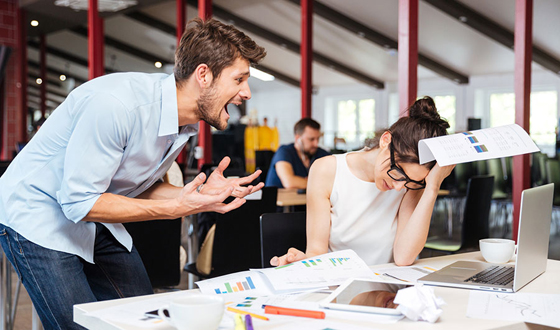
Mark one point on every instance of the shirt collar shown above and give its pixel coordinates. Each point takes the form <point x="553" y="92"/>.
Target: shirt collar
<point x="169" y="120"/>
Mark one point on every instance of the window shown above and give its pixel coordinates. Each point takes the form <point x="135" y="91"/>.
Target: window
<point x="543" y="116"/>
<point x="446" y="106"/>
<point x="355" y="121"/>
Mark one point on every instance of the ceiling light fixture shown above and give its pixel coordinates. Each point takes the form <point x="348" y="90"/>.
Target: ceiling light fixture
<point x="102" y="5"/>
<point x="62" y="77"/>
<point x="158" y="64"/>
<point x="34" y="23"/>
<point x="39" y="81"/>
<point x="256" y="73"/>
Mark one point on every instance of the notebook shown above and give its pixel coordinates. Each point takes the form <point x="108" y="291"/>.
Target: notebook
<point x="532" y="251"/>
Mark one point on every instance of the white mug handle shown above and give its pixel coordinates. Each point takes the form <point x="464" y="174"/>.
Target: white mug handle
<point x="161" y="313"/>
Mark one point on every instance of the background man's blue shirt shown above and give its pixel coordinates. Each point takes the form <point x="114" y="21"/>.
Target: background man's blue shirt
<point x="289" y="154"/>
<point x="110" y="135"/>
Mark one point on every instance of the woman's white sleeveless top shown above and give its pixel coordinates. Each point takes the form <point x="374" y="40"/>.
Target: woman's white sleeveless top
<point x="363" y="218"/>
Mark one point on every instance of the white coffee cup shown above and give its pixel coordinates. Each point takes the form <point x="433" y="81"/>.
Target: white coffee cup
<point x="194" y="312"/>
<point x="497" y="250"/>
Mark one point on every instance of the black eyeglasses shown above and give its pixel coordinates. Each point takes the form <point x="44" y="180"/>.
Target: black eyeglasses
<point x="396" y="173"/>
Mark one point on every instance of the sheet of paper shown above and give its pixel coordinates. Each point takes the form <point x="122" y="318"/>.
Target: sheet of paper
<point x="237" y="285"/>
<point x="401" y="275"/>
<point x="133" y="313"/>
<point x="321" y="325"/>
<point x="487" y="143"/>
<point x="255" y="304"/>
<point x="527" y="307"/>
<point x="324" y="270"/>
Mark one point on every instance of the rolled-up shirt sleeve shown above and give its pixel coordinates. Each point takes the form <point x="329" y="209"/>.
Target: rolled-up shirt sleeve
<point x="94" y="153"/>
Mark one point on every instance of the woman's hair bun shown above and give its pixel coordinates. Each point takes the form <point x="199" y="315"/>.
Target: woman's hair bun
<point x="425" y="108"/>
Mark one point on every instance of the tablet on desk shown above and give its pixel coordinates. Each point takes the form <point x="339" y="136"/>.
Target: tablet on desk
<point x="364" y="295"/>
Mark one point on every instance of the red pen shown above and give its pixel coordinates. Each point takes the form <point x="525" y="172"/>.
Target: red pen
<point x="293" y="312"/>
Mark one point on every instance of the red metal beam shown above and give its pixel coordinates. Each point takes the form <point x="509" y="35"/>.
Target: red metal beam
<point x="22" y="67"/>
<point x="181" y="8"/>
<point x="408" y="53"/>
<point x="204" y="134"/>
<point x="523" y="47"/>
<point x="181" y="18"/>
<point x="95" y="41"/>
<point x="43" y="74"/>
<point x="306" y="51"/>
<point x="205" y="9"/>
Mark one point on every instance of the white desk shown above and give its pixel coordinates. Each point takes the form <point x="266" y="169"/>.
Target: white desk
<point x="453" y="317"/>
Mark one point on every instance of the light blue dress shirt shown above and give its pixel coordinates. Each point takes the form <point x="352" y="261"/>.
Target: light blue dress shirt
<point x="115" y="134"/>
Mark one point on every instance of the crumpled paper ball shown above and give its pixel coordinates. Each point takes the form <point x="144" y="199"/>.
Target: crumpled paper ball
<point x="419" y="303"/>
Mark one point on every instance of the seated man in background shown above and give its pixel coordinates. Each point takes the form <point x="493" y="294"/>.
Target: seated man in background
<point x="290" y="165"/>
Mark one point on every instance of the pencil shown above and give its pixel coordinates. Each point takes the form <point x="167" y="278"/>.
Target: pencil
<point x="396" y="278"/>
<point x="235" y="310"/>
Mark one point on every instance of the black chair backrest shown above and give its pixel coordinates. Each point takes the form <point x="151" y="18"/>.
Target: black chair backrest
<point x="279" y="232"/>
<point x="477" y="211"/>
<point x="4" y="166"/>
<point x="158" y="242"/>
<point x="263" y="159"/>
<point x="237" y="236"/>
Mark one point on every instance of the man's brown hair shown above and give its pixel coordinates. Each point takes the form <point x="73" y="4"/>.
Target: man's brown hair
<point x="300" y="126"/>
<point x="215" y="44"/>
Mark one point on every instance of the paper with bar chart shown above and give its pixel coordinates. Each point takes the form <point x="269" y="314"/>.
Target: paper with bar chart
<point x="245" y="283"/>
<point x="324" y="270"/>
<point x="482" y="144"/>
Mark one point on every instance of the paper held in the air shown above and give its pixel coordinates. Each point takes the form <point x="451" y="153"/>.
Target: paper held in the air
<point x="487" y="143"/>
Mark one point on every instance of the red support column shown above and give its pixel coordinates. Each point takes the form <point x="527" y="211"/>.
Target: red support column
<point x="408" y="53"/>
<point x="22" y="79"/>
<point x="181" y="8"/>
<point x="181" y="18"/>
<point x="306" y="52"/>
<point x="204" y="134"/>
<point x="43" y="74"/>
<point x="95" y="41"/>
<point x="11" y="102"/>
<point x="523" y="46"/>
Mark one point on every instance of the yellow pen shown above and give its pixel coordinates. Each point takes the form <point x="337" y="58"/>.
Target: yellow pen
<point x="239" y="324"/>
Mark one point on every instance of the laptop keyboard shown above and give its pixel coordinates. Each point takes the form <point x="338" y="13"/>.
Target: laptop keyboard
<point x="496" y="275"/>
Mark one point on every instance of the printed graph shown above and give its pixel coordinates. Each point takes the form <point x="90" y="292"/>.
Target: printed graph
<point x="231" y="287"/>
<point x="338" y="261"/>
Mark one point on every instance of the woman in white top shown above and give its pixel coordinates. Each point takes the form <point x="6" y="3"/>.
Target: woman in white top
<point x="377" y="201"/>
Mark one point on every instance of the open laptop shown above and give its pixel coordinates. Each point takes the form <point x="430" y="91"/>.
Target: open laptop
<point x="532" y="251"/>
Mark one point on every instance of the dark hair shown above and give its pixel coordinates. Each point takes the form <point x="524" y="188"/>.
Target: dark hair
<point x="300" y="126"/>
<point x="215" y="44"/>
<point x="422" y="122"/>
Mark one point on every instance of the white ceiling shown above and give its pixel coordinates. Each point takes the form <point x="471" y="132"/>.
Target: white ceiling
<point x="441" y="37"/>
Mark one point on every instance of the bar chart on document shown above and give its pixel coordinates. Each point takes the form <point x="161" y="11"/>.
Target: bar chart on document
<point x="327" y="269"/>
<point x="487" y="143"/>
<point x="241" y="283"/>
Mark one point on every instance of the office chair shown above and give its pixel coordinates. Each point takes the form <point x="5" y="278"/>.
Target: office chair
<point x="158" y="243"/>
<point x="279" y="232"/>
<point x="236" y="243"/>
<point x="475" y="218"/>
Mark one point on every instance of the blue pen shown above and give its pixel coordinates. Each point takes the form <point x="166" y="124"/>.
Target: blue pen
<point x="248" y="322"/>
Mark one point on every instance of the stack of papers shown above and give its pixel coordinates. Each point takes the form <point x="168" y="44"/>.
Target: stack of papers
<point x="310" y="274"/>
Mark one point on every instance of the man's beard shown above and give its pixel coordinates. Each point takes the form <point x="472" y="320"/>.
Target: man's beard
<point x="206" y="102"/>
<point x="309" y="153"/>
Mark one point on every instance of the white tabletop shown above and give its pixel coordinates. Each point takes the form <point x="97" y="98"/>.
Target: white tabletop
<point x="453" y="317"/>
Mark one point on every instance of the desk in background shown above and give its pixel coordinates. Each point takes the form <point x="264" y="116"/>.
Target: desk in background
<point x="289" y="197"/>
<point x="453" y="317"/>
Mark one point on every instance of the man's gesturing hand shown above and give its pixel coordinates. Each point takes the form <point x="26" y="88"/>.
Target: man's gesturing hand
<point x="217" y="182"/>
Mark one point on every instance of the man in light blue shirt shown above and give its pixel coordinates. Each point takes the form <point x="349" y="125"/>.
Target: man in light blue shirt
<point x="97" y="162"/>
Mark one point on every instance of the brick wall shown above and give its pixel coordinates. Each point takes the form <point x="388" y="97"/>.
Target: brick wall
<point x="13" y="119"/>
